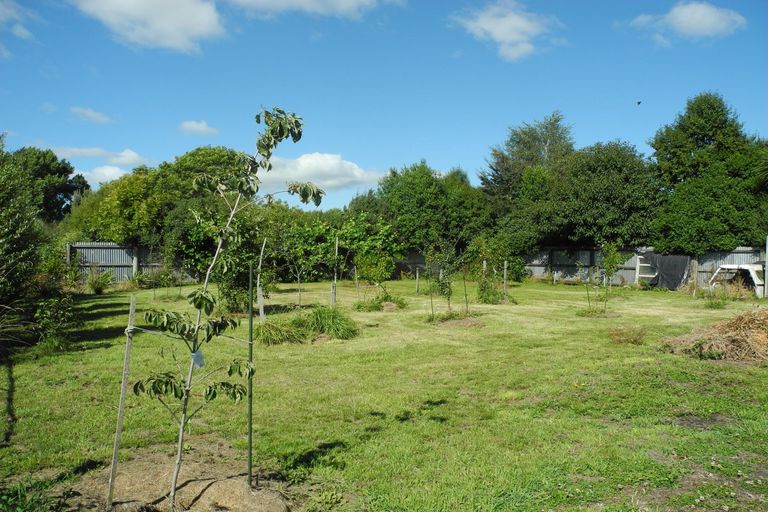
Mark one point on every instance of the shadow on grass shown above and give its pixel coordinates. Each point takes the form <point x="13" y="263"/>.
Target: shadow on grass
<point x="10" y="410"/>
<point x="322" y="455"/>
<point x="96" y="337"/>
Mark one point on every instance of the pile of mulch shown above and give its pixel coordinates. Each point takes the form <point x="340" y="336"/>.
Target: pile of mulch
<point x="742" y="338"/>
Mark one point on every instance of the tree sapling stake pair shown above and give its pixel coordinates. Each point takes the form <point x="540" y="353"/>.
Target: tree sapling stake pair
<point x="236" y="190"/>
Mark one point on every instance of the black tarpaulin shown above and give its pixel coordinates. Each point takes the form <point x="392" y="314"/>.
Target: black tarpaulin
<point x="671" y="271"/>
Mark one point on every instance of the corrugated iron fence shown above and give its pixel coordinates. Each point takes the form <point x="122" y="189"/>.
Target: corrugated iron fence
<point x="557" y="263"/>
<point x="564" y="264"/>
<point x="121" y="260"/>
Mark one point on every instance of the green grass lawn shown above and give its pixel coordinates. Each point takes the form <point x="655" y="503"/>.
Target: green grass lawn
<point x="534" y="409"/>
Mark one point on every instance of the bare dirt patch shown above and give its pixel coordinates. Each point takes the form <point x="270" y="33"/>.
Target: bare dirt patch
<point x="213" y="478"/>
<point x="389" y="306"/>
<point x="463" y="322"/>
<point x="741" y="338"/>
<point x="702" y="422"/>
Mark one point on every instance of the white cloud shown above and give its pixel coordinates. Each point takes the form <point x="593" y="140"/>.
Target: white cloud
<point x="48" y="107"/>
<point x="197" y="128"/>
<point x="345" y="8"/>
<point x="691" y="20"/>
<point x="171" y="24"/>
<point x="510" y="26"/>
<point x="90" y="115"/>
<point x="71" y="152"/>
<point x="21" y="31"/>
<point x="328" y="171"/>
<point x="127" y="157"/>
<point x="104" y="174"/>
<point x="5" y="53"/>
<point x="11" y="17"/>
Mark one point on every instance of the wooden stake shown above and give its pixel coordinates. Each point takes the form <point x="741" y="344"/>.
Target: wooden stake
<point x="417" y="279"/>
<point x="260" y="300"/>
<point x="504" y="282"/>
<point x="335" y="272"/>
<point x="121" y="406"/>
<point x="259" y="291"/>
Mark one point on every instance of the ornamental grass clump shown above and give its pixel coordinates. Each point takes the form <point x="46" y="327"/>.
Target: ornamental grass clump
<point x="329" y="321"/>
<point x="271" y="332"/>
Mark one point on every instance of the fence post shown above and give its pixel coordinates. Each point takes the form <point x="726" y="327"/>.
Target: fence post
<point x="504" y="279"/>
<point x="260" y="299"/>
<point x="335" y="272"/>
<point x="695" y="274"/>
<point x="134" y="260"/>
<point x="121" y="405"/>
<point x="417" y="279"/>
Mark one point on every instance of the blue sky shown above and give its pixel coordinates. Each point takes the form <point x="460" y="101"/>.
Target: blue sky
<point x="109" y="84"/>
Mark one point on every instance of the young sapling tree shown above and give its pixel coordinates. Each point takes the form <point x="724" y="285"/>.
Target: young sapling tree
<point x="236" y="191"/>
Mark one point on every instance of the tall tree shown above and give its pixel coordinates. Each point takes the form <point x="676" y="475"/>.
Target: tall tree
<point x="20" y="231"/>
<point x="426" y="207"/>
<point x="53" y="178"/>
<point x="542" y="143"/>
<point x="710" y="169"/>
<point x="606" y="194"/>
<point x="707" y="132"/>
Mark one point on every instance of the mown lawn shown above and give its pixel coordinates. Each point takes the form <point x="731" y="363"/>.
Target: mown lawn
<point x="535" y="409"/>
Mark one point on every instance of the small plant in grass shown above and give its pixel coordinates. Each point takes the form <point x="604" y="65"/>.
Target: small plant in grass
<point x="236" y="191"/>
<point x="98" y="281"/>
<point x="611" y="261"/>
<point x="324" y="320"/>
<point x="377" y="303"/>
<point x="31" y="497"/>
<point x="586" y="276"/>
<point x="715" y="299"/>
<point x="631" y="334"/>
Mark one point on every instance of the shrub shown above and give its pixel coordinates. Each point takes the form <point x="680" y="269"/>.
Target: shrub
<point x="377" y="303"/>
<point x="324" y="320"/>
<point x="627" y="334"/>
<point x="54" y="319"/>
<point x="487" y="292"/>
<point x="516" y="270"/>
<point x="99" y="281"/>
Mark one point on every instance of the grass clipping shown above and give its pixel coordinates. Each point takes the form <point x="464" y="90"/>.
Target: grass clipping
<point x="742" y="338"/>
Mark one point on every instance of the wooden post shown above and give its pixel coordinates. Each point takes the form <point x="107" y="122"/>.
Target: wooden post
<point x="765" y="270"/>
<point x="485" y="267"/>
<point x="504" y="279"/>
<point x="357" y="284"/>
<point x="417" y="279"/>
<point x="335" y="273"/>
<point x="121" y="405"/>
<point x="260" y="300"/>
<point x="259" y="292"/>
<point x="135" y="260"/>
<point x="695" y="274"/>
